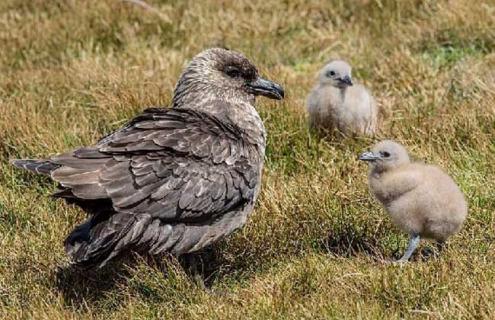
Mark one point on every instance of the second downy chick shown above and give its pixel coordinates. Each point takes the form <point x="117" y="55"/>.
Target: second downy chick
<point x="337" y="103"/>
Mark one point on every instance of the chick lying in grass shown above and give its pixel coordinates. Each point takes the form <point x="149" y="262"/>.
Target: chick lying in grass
<point x="336" y="103"/>
<point x="421" y="199"/>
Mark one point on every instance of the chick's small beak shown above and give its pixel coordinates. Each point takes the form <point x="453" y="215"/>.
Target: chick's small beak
<point x="346" y="80"/>
<point x="368" y="156"/>
<point x="266" y="88"/>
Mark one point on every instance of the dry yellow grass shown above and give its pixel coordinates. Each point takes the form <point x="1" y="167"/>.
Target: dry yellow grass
<point x="70" y="71"/>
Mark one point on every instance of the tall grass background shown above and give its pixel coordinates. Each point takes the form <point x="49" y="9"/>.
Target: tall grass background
<point x="72" y="71"/>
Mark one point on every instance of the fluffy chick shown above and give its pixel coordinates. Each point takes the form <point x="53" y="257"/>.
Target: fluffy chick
<point x="336" y="103"/>
<point x="421" y="199"/>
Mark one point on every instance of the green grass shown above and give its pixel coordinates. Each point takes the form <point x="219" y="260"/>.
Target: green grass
<point x="71" y="71"/>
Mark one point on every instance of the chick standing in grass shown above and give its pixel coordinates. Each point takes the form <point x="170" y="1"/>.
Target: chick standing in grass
<point x="421" y="199"/>
<point x="336" y="103"/>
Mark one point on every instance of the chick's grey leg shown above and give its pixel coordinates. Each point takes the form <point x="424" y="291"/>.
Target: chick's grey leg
<point x="413" y="244"/>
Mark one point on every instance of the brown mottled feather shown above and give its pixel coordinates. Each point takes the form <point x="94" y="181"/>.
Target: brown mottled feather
<point x="203" y="180"/>
<point x="171" y="180"/>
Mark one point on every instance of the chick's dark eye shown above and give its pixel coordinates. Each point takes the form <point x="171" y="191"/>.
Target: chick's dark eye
<point x="330" y="73"/>
<point x="385" y="154"/>
<point x="233" y="72"/>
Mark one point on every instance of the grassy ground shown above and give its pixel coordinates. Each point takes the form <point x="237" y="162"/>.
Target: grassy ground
<point x="70" y="71"/>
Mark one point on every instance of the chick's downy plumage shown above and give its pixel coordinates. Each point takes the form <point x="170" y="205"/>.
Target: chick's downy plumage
<point x="336" y="103"/>
<point x="421" y="199"/>
<point x="171" y="180"/>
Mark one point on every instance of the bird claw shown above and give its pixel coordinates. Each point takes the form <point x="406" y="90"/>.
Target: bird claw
<point x="400" y="262"/>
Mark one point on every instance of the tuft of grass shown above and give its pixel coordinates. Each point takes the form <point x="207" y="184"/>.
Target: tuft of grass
<point x="72" y="71"/>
